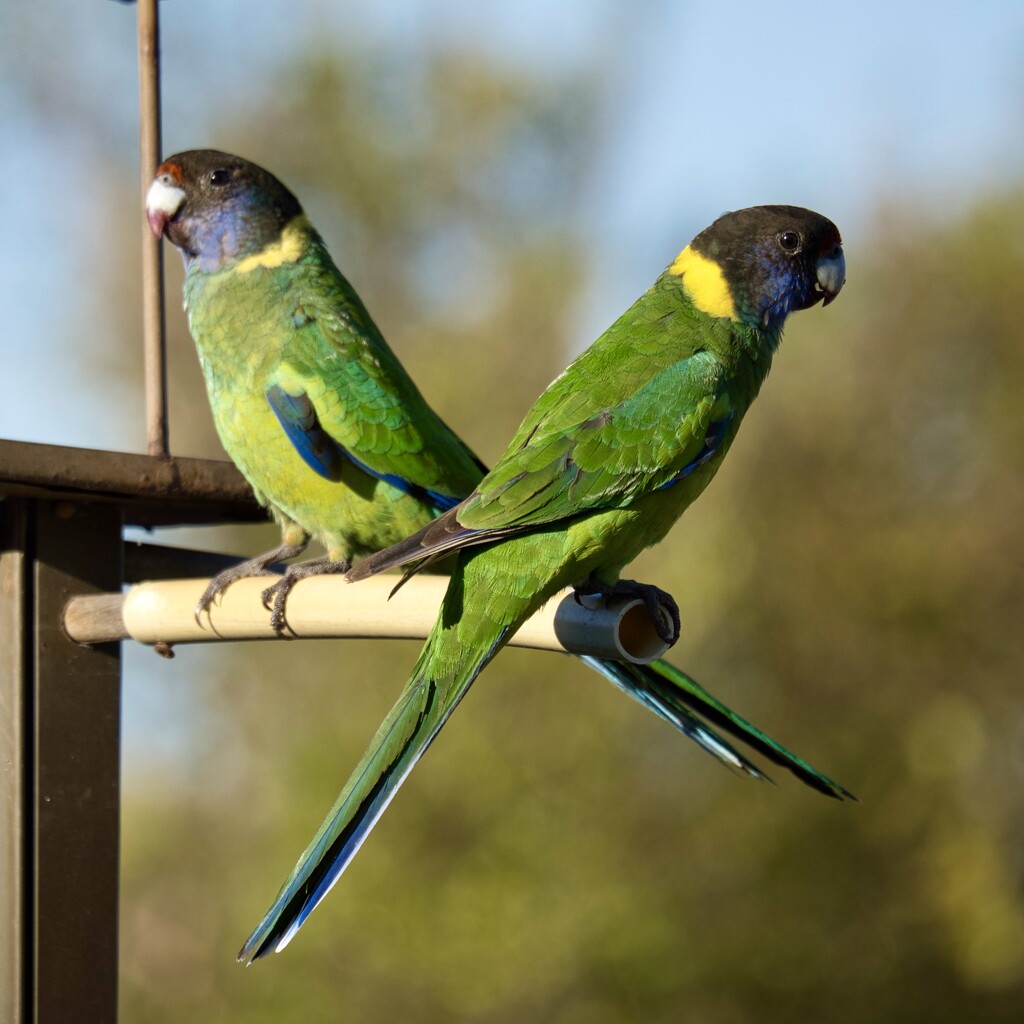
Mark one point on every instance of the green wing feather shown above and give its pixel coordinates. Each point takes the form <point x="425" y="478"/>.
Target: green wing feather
<point x="362" y="396"/>
<point x="620" y="422"/>
<point x="606" y="456"/>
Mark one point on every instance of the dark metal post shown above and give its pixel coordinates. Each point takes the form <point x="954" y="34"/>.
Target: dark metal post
<point x="58" y="947"/>
<point x="61" y="517"/>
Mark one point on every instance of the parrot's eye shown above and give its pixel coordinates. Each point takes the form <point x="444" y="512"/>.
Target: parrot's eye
<point x="790" y="241"/>
<point x="220" y="177"/>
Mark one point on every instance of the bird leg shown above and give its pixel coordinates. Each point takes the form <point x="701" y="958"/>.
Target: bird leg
<point x="275" y="597"/>
<point x="660" y="605"/>
<point x="258" y="566"/>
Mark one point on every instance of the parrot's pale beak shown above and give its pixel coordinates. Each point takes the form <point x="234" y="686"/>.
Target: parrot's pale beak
<point x="157" y="219"/>
<point x="163" y="200"/>
<point x="831" y="273"/>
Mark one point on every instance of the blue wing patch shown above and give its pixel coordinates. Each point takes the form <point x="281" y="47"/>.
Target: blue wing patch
<point x="442" y="502"/>
<point x="326" y="457"/>
<point x="712" y="441"/>
<point x="298" y="418"/>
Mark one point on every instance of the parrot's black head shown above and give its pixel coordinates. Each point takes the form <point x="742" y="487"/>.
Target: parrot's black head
<point x="775" y="260"/>
<point x="217" y="208"/>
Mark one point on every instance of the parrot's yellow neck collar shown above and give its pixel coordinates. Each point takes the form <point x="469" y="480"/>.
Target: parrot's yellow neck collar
<point x="704" y="283"/>
<point x="287" y="249"/>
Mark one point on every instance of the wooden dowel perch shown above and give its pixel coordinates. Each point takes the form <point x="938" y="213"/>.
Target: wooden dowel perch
<point x="327" y="606"/>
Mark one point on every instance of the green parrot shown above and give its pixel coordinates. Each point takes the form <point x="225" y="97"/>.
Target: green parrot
<point x="337" y="441"/>
<point x="308" y="399"/>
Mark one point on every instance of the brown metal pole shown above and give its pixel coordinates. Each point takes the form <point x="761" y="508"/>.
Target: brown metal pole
<point x="16" y="935"/>
<point x="153" y="325"/>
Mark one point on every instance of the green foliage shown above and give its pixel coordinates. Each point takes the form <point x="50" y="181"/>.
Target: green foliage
<point x="851" y="581"/>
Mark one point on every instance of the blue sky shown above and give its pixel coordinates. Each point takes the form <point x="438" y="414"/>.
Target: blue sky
<point x="712" y="106"/>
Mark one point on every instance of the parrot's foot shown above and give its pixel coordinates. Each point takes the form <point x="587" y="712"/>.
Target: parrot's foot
<point x="275" y="597"/>
<point x="258" y="566"/>
<point x="660" y="605"/>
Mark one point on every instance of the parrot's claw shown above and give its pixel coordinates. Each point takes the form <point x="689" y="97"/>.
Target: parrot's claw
<point x="660" y="605"/>
<point x="275" y="597"/>
<point x="258" y="566"/>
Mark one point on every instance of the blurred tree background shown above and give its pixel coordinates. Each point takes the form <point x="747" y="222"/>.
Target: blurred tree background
<point x="852" y="582"/>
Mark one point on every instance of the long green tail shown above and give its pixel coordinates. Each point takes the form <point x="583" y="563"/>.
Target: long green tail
<point x="417" y="717"/>
<point x="673" y="695"/>
<point x="439" y="681"/>
<point x="430" y="696"/>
